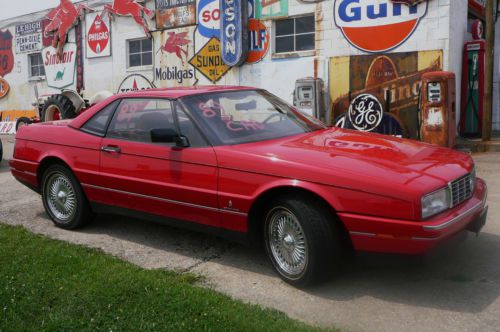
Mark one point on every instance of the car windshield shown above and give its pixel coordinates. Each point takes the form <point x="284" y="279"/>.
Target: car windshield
<point x="235" y="117"/>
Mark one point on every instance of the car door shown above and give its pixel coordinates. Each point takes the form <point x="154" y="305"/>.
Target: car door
<point x="158" y="178"/>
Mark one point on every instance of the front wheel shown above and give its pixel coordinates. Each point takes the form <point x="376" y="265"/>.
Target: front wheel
<point x="63" y="198"/>
<point x="302" y="241"/>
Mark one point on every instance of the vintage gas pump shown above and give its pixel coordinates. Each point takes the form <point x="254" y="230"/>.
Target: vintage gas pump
<point x="308" y="96"/>
<point x="437" y="113"/>
<point x="471" y="115"/>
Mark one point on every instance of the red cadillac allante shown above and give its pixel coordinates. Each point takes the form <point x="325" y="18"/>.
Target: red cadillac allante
<point x="243" y="164"/>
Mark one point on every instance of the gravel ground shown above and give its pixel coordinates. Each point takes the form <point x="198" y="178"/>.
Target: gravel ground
<point x="454" y="289"/>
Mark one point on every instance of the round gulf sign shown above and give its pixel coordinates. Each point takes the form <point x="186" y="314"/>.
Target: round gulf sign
<point x="4" y="87"/>
<point x="377" y="25"/>
<point x="209" y="18"/>
<point x="259" y="41"/>
<point x="98" y="35"/>
<point x="365" y="112"/>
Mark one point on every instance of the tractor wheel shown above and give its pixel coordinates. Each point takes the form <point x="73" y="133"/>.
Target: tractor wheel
<point x="58" y="107"/>
<point x="22" y="121"/>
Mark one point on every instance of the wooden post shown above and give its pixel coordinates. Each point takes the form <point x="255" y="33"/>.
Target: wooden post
<point x="488" y="84"/>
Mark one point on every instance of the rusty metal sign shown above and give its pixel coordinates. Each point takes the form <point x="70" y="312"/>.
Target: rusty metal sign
<point x="409" y="2"/>
<point x="6" y="55"/>
<point x="4" y="87"/>
<point x="175" y="13"/>
<point x="208" y="61"/>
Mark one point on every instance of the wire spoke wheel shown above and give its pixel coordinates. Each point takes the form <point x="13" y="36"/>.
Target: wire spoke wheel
<point x="60" y="197"/>
<point x="287" y="242"/>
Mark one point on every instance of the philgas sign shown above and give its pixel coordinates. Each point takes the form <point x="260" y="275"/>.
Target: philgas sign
<point x="6" y="55"/>
<point x="259" y="40"/>
<point x="4" y="87"/>
<point x="234" y="44"/>
<point x="377" y="25"/>
<point x="209" y="18"/>
<point x="98" y="35"/>
<point x="60" y="67"/>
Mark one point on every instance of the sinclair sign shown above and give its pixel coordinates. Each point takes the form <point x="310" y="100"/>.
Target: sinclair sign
<point x="378" y="26"/>
<point x="60" y="69"/>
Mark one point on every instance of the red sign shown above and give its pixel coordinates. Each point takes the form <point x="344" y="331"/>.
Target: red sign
<point x="259" y="40"/>
<point x="477" y="30"/>
<point x="478" y="5"/>
<point x="131" y="8"/>
<point x="377" y="26"/>
<point x="98" y="35"/>
<point x="6" y="55"/>
<point x="62" y="19"/>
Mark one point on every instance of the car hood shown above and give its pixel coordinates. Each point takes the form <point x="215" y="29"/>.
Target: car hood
<point x="350" y="159"/>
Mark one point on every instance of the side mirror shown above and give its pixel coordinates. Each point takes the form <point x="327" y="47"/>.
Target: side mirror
<point x="169" y="136"/>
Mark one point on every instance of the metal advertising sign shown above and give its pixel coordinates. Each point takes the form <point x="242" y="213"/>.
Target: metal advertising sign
<point x="6" y="55"/>
<point x="365" y="112"/>
<point x="4" y="87"/>
<point x="208" y="61"/>
<point x="234" y="36"/>
<point x="377" y="26"/>
<point x="209" y="18"/>
<point x="131" y="8"/>
<point x="271" y="8"/>
<point x="478" y="5"/>
<point x="175" y="13"/>
<point x="135" y="82"/>
<point x="98" y="35"/>
<point x="259" y="41"/>
<point x="29" y="37"/>
<point x="171" y="61"/>
<point x="60" y="70"/>
<point x="62" y="19"/>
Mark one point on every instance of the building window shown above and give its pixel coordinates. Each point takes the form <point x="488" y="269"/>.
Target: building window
<point x="36" y="65"/>
<point x="294" y="34"/>
<point x="140" y="52"/>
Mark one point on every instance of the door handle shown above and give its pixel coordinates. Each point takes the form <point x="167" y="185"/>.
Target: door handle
<point x="111" y="149"/>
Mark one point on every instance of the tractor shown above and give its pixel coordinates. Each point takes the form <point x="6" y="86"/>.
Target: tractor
<point x="65" y="105"/>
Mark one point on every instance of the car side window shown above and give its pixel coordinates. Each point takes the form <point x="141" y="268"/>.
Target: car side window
<point x="97" y="124"/>
<point x="189" y="129"/>
<point x="135" y="118"/>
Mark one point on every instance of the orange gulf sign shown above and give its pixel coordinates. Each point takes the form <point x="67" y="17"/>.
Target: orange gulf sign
<point x="4" y="87"/>
<point x="259" y="40"/>
<point x="379" y="25"/>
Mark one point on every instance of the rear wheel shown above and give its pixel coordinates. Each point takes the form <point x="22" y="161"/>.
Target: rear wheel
<point x="58" y="107"/>
<point x="301" y="240"/>
<point x="63" y="198"/>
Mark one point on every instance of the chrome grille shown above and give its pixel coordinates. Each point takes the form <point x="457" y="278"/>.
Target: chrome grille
<point x="461" y="189"/>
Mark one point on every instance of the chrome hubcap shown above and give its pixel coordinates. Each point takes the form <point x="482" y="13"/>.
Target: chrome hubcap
<point x="287" y="241"/>
<point x="60" y="196"/>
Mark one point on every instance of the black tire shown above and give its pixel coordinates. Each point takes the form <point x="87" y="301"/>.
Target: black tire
<point x="324" y="247"/>
<point x="80" y="214"/>
<point x="60" y="103"/>
<point x="22" y="121"/>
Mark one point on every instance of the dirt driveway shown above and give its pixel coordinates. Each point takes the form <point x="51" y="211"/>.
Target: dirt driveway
<point x="454" y="289"/>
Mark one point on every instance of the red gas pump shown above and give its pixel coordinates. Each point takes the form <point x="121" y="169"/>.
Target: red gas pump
<point x="471" y="115"/>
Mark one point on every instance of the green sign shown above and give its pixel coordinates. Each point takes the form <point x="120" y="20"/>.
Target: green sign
<point x="271" y="8"/>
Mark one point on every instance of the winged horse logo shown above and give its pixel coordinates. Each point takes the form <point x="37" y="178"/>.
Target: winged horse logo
<point x="176" y="43"/>
<point x="62" y="19"/>
<point x="131" y="8"/>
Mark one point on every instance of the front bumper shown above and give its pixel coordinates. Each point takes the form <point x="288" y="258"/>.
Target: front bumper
<point x="416" y="237"/>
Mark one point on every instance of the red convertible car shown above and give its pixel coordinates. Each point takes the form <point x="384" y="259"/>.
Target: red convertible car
<point x="243" y="164"/>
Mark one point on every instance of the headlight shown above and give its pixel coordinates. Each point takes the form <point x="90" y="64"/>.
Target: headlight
<point x="435" y="202"/>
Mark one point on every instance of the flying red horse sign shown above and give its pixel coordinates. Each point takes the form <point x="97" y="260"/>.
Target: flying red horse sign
<point x="62" y="19"/>
<point x="131" y="8"/>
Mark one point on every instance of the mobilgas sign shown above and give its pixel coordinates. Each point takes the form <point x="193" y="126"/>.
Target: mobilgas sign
<point x="234" y="35"/>
<point x="378" y="25"/>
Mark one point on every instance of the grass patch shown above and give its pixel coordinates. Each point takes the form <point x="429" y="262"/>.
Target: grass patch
<point x="52" y="285"/>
